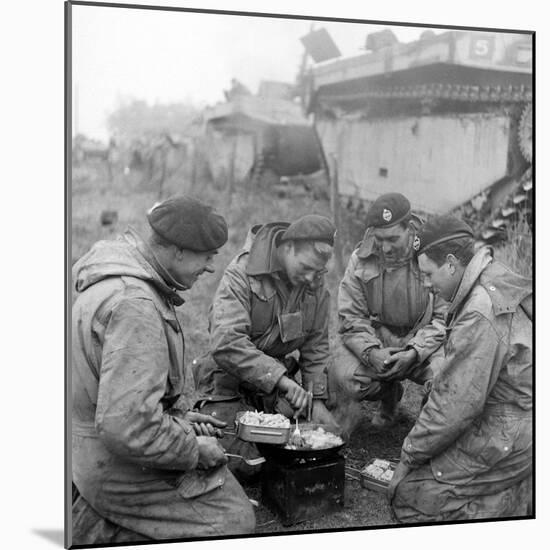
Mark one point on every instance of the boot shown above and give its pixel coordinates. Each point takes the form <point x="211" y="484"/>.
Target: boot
<point x="386" y="416"/>
<point x="88" y="527"/>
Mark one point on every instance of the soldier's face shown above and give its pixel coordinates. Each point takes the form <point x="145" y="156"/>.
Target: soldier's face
<point x="188" y="265"/>
<point x="304" y="267"/>
<point x="394" y="242"/>
<point x="442" y="279"/>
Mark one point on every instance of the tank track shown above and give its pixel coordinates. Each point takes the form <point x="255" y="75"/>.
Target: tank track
<point x="453" y="92"/>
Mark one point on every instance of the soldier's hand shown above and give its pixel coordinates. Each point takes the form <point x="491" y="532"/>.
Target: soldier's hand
<point x="294" y="393"/>
<point x="202" y="428"/>
<point x="377" y="358"/>
<point x="398" y="364"/>
<point x="211" y="453"/>
<point x="204" y="424"/>
<point x="400" y="472"/>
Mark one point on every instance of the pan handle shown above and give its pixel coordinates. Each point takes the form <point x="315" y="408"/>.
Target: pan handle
<point x="261" y="432"/>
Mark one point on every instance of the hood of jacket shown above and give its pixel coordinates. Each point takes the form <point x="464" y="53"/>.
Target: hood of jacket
<point x="127" y="256"/>
<point x="261" y="243"/>
<point x="506" y="289"/>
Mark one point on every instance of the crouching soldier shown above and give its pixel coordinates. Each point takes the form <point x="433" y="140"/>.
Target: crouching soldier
<point x="269" y="328"/>
<point x="144" y="463"/>
<point x="469" y="454"/>
<point x="389" y="323"/>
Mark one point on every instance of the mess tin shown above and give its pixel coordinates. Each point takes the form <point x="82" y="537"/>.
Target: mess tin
<point x="261" y="434"/>
<point x="372" y="483"/>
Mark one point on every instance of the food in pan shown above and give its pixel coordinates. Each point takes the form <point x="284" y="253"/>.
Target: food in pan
<point x="317" y="439"/>
<point x="255" y="418"/>
<point x="379" y="469"/>
<point x="387" y="475"/>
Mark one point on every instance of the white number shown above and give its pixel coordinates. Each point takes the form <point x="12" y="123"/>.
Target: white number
<point x="481" y="47"/>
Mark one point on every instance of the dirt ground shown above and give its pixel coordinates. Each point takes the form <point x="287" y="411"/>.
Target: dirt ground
<point x="362" y="507"/>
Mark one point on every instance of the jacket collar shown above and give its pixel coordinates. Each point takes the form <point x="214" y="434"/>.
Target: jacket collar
<point x="506" y="289"/>
<point x="482" y="258"/>
<point x="367" y="249"/>
<point x="261" y="243"/>
<point x="164" y="282"/>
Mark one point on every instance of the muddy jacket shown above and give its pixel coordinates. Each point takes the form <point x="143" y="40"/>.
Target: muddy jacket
<point x="248" y="342"/>
<point x="127" y="367"/>
<point x="381" y="305"/>
<point x="475" y="428"/>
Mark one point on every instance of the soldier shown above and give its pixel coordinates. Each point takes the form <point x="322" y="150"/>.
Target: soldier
<point x="389" y="323"/>
<point x="144" y="463"/>
<point x="268" y="325"/>
<point x="469" y="455"/>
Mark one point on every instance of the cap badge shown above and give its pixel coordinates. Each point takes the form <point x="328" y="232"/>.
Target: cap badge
<point x="387" y="215"/>
<point x="416" y="243"/>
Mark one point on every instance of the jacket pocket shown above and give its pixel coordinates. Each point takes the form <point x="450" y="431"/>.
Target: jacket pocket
<point x="199" y="482"/>
<point x="481" y="448"/>
<point x="261" y="312"/>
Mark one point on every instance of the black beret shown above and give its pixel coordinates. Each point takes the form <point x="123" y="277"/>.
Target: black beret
<point x="188" y="223"/>
<point x="310" y="228"/>
<point x="388" y="210"/>
<point x="441" y="229"/>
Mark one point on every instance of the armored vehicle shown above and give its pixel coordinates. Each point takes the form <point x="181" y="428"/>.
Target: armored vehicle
<point x="446" y="120"/>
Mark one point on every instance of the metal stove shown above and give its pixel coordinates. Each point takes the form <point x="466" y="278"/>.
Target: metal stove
<point x="300" y="489"/>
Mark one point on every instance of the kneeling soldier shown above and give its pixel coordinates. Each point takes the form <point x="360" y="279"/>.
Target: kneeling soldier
<point x="469" y="455"/>
<point x="389" y="323"/>
<point x="269" y="327"/>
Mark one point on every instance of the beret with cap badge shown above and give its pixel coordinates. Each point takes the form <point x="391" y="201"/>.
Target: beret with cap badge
<point x="311" y="227"/>
<point x="441" y="229"/>
<point x="188" y="223"/>
<point x="388" y="210"/>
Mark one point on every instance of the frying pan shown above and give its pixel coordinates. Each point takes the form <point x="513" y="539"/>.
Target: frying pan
<point x="279" y="452"/>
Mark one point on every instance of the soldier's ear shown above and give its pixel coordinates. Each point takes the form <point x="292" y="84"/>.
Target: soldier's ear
<point x="288" y="246"/>
<point x="453" y="262"/>
<point x="178" y="253"/>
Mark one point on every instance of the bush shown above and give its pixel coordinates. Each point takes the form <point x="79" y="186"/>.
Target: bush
<point x="517" y="251"/>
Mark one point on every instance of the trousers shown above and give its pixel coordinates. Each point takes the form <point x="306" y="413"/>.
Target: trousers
<point x="422" y="498"/>
<point x="129" y="510"/>
<point x="349" y="377"/>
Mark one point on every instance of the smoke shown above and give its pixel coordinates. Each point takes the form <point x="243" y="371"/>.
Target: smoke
<point x="348" y="415"/>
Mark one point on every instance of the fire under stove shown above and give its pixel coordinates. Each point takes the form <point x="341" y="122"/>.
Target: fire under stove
<point x="302" y="488"/>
